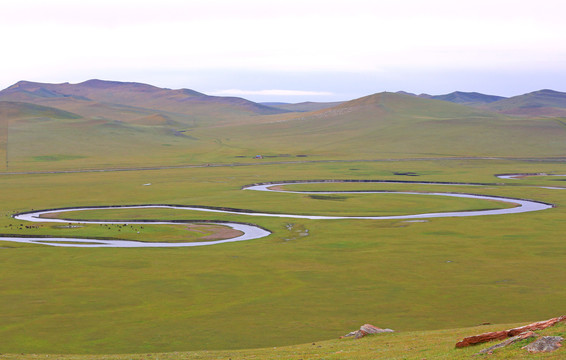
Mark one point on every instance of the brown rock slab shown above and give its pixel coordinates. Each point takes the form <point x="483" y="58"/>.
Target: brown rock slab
<point x="545" y="344"/>
<point x="481" y="338"/>
<point x="500" y="335"/>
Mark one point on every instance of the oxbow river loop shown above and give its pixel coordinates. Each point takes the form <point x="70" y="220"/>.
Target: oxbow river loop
<point x="250" y="231"/>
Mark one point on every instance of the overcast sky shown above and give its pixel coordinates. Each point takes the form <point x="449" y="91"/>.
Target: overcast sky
<point x="290" y="50"/>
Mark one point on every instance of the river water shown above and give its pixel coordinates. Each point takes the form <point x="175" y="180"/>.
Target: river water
<point x="251" y="232"/>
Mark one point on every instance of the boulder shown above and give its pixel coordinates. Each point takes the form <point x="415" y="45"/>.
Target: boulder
<point x="366" y="329"/>
<point x="545" y="344"/>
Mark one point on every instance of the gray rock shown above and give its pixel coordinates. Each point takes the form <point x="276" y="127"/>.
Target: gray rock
<point x="366" y="329"/>
<point x="545" y="344"/>
<point x="522" y="336"/>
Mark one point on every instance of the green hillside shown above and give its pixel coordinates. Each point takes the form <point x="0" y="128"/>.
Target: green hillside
<point x="4" y="124"/>
<point x="86" y="143"/>
<point x="22" y="110"/>
<point x="394" y="125"/>
<point x="16" y="112"/>
<point x="378" y="126"/>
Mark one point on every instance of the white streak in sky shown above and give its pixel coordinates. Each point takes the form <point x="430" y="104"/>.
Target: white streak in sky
<point x="271" y="92"/>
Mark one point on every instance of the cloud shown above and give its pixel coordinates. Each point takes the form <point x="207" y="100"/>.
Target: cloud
<point x="66" y="40"/>
<point x="271" y="92"/>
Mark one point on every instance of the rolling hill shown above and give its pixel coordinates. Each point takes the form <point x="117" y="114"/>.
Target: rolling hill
<point x="546" y="103"/>
<point x="538" y="103"/>
<point x="132" y="124"/>
<point x="460" y="97"/>
<point x="128" y="101"/>
<point x="468" y="98"/>
<point x="396" y="125"/>
<point x="22" y="110"/>
<point x="112" y="124"/>
<point x="11" y="111"/>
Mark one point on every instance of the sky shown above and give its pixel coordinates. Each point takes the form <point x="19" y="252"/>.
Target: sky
<point x="290" y="50"/>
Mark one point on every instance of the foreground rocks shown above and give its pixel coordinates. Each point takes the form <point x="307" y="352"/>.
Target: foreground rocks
<point x="545" y="344"/>
<point x="514" y="339"/>
<point x="504" y="334"/>
<point x="366" y="329"/>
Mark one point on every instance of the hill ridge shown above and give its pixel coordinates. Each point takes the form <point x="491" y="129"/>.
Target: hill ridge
<point x="545" y="102"/>
<point x="185" y="105"/>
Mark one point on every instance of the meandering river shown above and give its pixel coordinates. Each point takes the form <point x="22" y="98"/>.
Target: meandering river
<point x="250" y="231"/>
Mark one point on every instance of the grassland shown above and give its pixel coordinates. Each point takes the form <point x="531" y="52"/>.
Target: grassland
<point x="436" y="344"/>
<point x="284" y="289"/>
<point x="295" y="286"/>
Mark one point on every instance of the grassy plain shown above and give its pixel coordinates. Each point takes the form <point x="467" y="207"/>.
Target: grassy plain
<point x="287" y="288"/>
<point x="432" y="344"/>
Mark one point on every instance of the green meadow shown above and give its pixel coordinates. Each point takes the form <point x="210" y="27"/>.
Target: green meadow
<point x="288" y="288"/>
<point x="309" y="282"/>
<point x="432" y="344"/>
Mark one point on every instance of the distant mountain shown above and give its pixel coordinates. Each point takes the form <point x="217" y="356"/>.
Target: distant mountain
<point x="396" y="104"/>
<point x="468" y="98"/>
<point x="459" y="97"/>
<point x="303" y="106"/>
<point x="127" y="101"/>
<point x="546" y="103"/>
<point x="538" y="103"/>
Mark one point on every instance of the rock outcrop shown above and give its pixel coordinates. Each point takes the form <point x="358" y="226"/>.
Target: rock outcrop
<point x="504" y="334"/>
<point x="545" y="344"/>
<point x="514" y="339"/>
<point x="366" y="329"/>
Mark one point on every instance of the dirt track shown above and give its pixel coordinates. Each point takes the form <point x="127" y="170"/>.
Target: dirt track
<point x="261" y="162"/>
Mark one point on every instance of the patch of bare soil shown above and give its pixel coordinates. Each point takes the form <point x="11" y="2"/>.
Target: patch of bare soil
<point x="50" y="215"/>
<point x="218" y="232"/>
